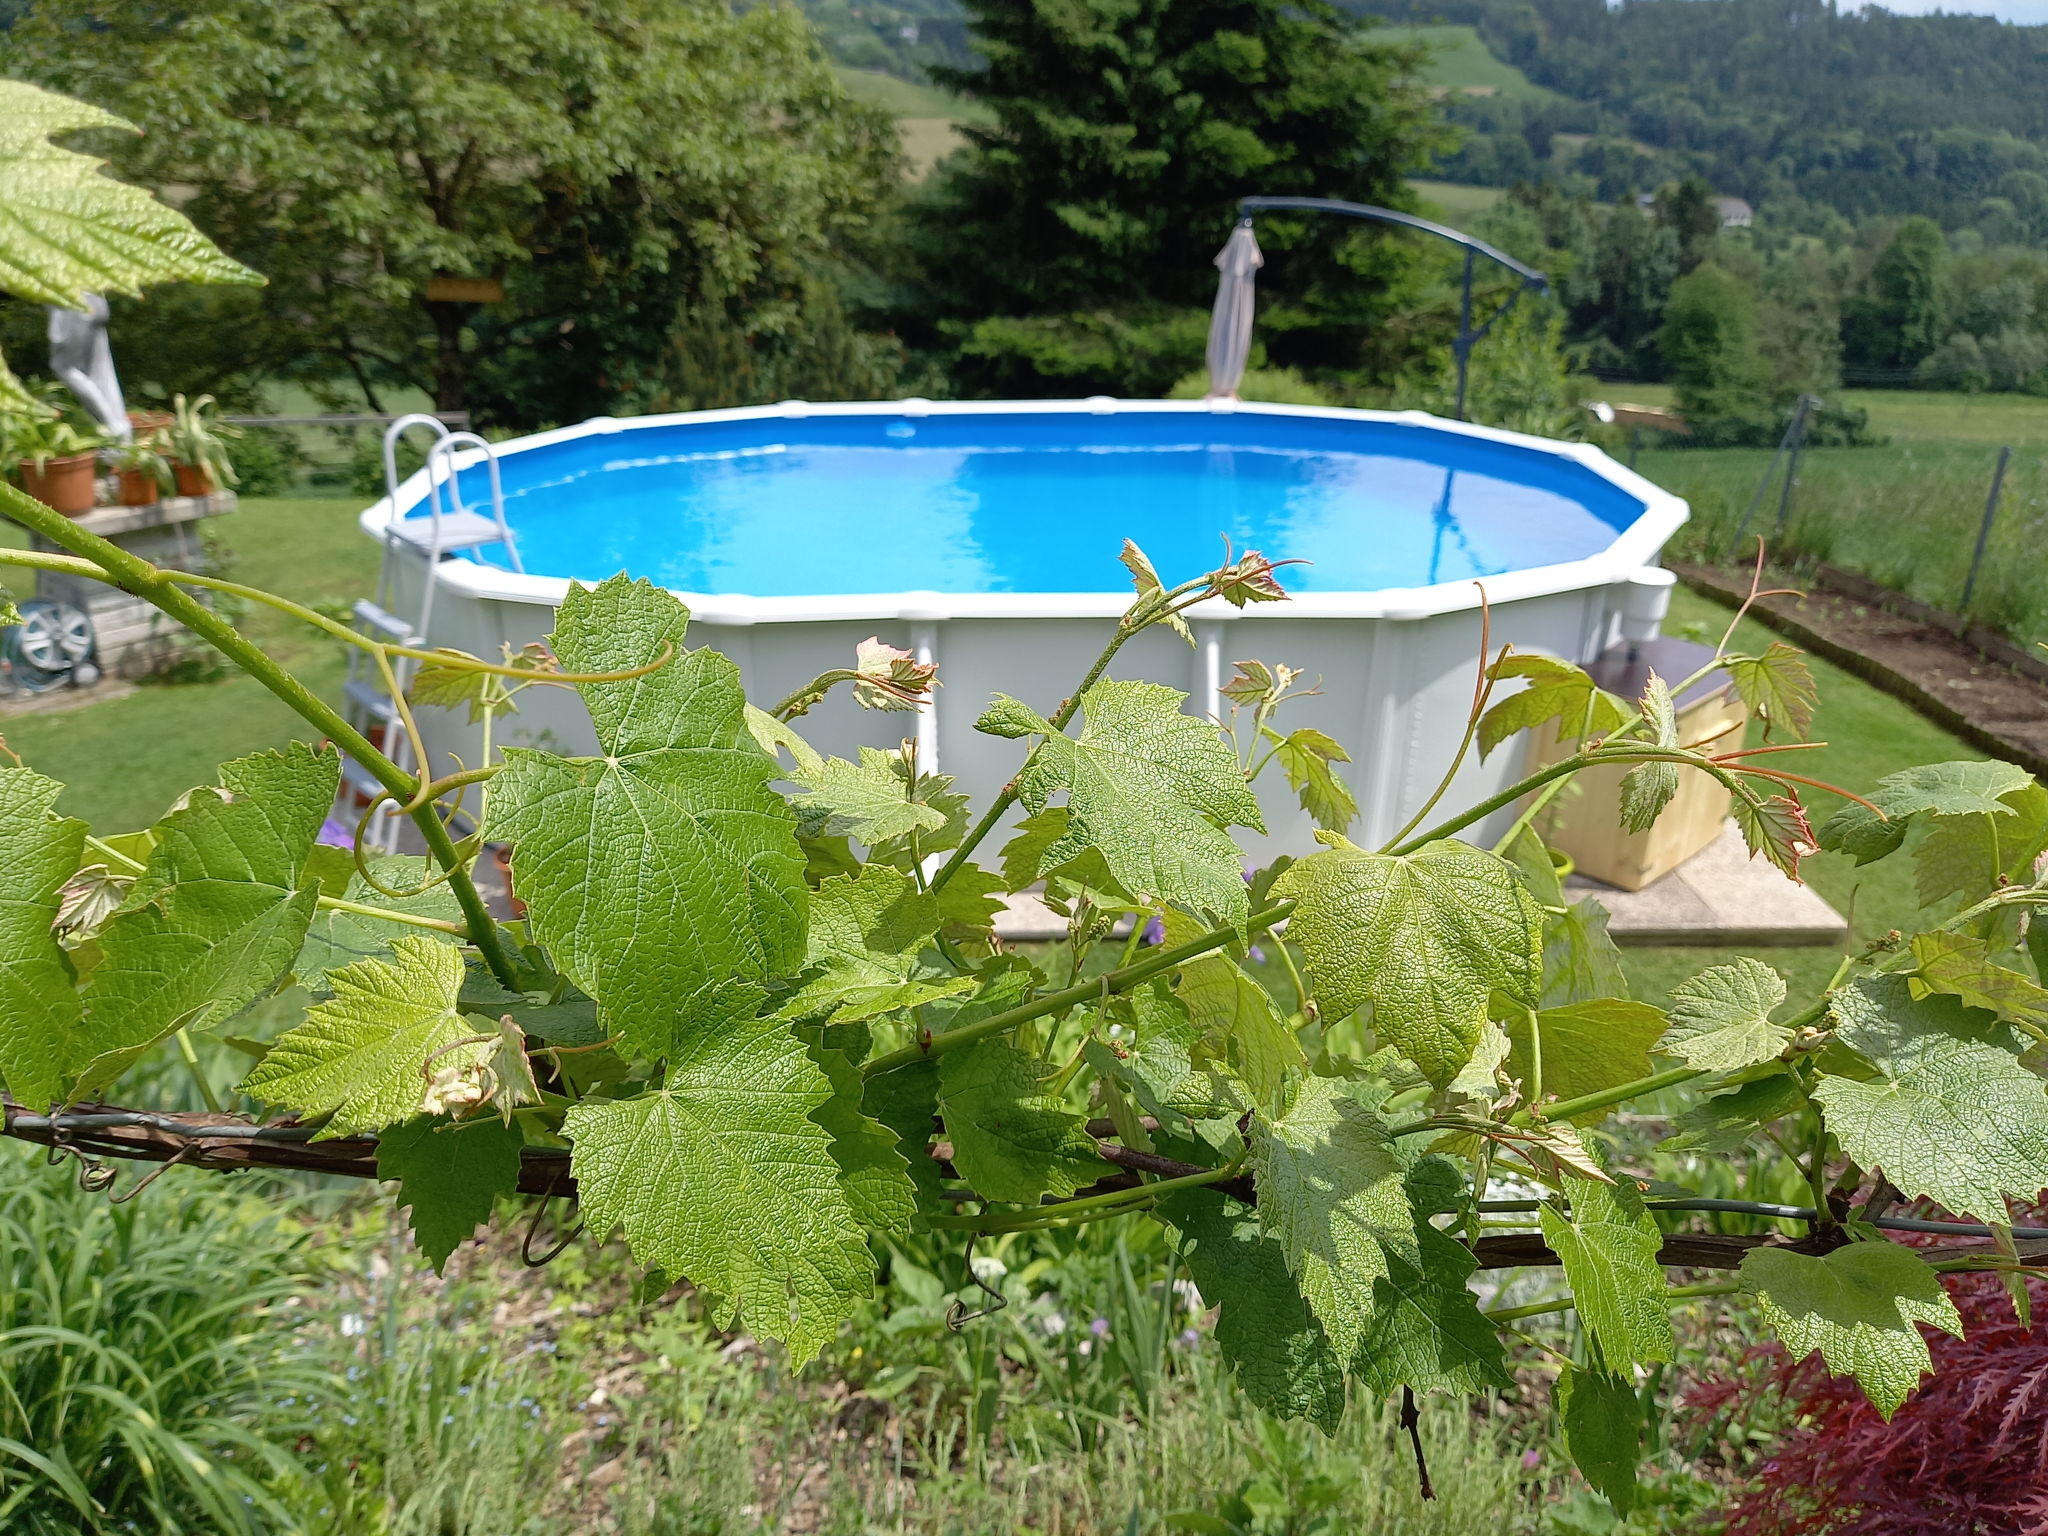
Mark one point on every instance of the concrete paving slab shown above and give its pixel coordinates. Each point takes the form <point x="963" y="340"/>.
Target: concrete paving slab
<point x="1720" y="896"/>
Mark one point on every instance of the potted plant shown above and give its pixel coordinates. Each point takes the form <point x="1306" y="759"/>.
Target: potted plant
<point x="144" y="469"/>
<point x="58" y="460"/>
<point x="197" y="440"/>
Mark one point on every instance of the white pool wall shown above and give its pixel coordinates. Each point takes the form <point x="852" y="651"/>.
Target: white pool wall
<point x="1396" y="665"/>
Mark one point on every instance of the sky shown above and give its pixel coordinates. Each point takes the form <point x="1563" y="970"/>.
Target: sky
<point x="2029" y="12"/>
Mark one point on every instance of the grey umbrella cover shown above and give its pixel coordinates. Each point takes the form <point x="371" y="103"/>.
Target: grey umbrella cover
<point x="1230" y="325"/>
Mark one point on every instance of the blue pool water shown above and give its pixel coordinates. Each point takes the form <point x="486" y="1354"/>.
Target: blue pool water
<point x="1040" y="503"/>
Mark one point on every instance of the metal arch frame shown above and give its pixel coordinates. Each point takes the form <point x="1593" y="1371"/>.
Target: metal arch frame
<point x="1468" y="334"/>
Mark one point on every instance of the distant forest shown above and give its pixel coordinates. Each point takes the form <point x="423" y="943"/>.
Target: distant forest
<point x="1821" y="114"/>
<point x="1792" y="103"/>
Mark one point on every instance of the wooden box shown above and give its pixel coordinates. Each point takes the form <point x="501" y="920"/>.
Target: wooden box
<point x="1584" y="822"/>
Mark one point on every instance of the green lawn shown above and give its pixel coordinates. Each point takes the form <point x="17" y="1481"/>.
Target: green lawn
<point x="1456" y="201"/>
<point x="904" y="98"/>
<point x="123" y="760"/>
<point x="1910" y="415"/>
<point x="1459" y="61"/>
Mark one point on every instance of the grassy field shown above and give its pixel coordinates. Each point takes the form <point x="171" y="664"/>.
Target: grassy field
<point x="928" y="118"/>
<point x="1455" y="201"/>
<point x="1459" y="61"/>
<point x="1905" y="415"/>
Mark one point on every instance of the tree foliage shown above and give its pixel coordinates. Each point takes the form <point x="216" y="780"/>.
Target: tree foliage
<point x="645" y="179"/>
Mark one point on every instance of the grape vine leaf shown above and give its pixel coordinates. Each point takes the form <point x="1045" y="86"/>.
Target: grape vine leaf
<point x="1721" y="1018"/>
<point x="905" y="1102"/>
<point x="1151" y="789"/>
<point x="1960" y="965"/>
<point x="218" y="913"/>
<point x="1970" y="855"/>
<point x="1586" y="1047"/>
<point x="1648" y="787"/>
<point x="723" y="1176"/>
<point x="39" y="1009"/>
<point x="1425" y="937"/>
<point x="1331" y="1190"/>
<point x="867" y="931"/>
<point x="1726" y="1121"/>
<point x="1309" y="757"/>
<point x="1860" y="1307"/>
<point x="9" y="614"/>
<point x="1776" y="827"/>
<point x="449" y="1176"/>
<point x="1556" y="690"/>
<point x="672" y="830"/>
<point x="1173" y="1065"/>
<point x="365" y="1056"/>
<point x="1953" y="1116"/>
<point x="1778" y="688"/>
<point x="1426" y="1330"/>
<point x="67" y="231"/>
<point x="335" y="938"/>
<point x="1013" y="1139"/>
<point x="1280" y="1353"/>
<point x="870" y="801"/>
<point x="872" y="1169"/>
<point x="1151" y="591"/>
<point x="1946" y="789"/>
<point x="1011" y="719"/>
<point x="1602" y="1420"/>
<point x="1228" y="1006"/>
<point x="1608" y="1245"/>
<point x="1580" y="959"/>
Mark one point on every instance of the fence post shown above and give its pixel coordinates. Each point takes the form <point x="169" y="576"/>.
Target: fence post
<point x="1984" y="529"/>
<point x="1792" y="426"/>
<point x="1799" y="412"/>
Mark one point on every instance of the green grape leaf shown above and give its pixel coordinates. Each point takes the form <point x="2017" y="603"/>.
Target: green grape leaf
<point x="970" y="901"/>
<point x="1013" y="1140"/>
<point x="217" y="915"/>
<point x="1085" y="874"/>
<point x="672" y="831"/>
<point x="1173" y="1065"/>
<point x="872" y="1168"/>
<point x="39" y="1008"/>
<point x="1726" y="1121"/>
<point x="1330" y="1189"/>
<point x="450" y="1177"/>
<point x="1721" y="1018"/>
<point x="367" y="1055"/>
<point x="905" y="1102"/>
<point x="1279" y="1352"/>
<point x="1008" y="718"/>
<point x="1961" y="966"/>
<point x="1581" y="961"/>
<point x="1557" y="691"/>
<point x="1426" y="1330"/>
<point x="1608" y="1245"/>
<point x="1775" y="827"/>
<point x="723" y="1176"/>
<point x="1971" y="855"/>
<point x="1586" y="1047"/>
<point x="1602" y="1420"/>
<point x="1648" y="788"/>
<point x="775" y="736"/>
<point x="869" y="801"/>
<point x="1309" y="757"/>
<point x="1151" y="592"/>
<point x="1946" y="789"/>
<point x="67" y="231"/>
<point x="1425" y="937"/>
<point x="867" y="932"/>
<point x="1151" y="789"/>
<point x="1860" y="1307"/>
<point x="336" y="938"/>
<point x="9" y="614"/>
<point x="1778" y="688"/>
<point x="1953" y="1116"/>
<point x="1228" y="1006"/>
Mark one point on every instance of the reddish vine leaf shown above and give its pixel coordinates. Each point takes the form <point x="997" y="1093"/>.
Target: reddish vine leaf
<point x="1778" y="688"/>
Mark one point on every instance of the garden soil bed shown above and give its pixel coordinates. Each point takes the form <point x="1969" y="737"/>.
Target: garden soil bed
<point x="1989" y="692"/>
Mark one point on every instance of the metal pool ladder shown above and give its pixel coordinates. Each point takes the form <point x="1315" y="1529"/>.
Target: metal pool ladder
<point x="450" y="526"/>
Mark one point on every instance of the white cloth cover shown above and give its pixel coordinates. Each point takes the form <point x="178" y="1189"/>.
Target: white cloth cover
<point x="82" y="359"/>
<point x="1230" y="325"/>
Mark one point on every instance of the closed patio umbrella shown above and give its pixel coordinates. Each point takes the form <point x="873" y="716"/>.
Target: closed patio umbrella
<point x="1230" y="325"/>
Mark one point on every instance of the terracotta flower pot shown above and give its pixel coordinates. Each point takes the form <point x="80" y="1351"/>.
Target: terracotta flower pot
<point x="65" y="484"/>
<point x="193" y="481"/>
<point x="142" y="423"/>
<point x="139" y="489"/>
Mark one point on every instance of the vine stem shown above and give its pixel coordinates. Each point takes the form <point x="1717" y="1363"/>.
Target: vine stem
<point x="1505" y="1315"/>
<point x="134" y="575"/>
<point x="1120" y="980"/>
<point x="1087" y="1208"/>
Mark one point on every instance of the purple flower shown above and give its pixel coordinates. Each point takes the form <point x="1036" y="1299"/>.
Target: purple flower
<point x="1155" y="931"/>
<point x="336" y="834"/>
<point x="1531" y="1460"/>
<point x="1258" y="955"/>
<point x="1100" y="1327"/>
<point x="1188" y="1338"/>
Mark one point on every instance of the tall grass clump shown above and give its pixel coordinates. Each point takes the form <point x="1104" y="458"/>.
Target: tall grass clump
<point x="137" y="1349"/>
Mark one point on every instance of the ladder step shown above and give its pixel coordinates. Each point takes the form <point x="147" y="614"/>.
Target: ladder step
<point x="359" y="778"/>
<point x="389" y="624"/>
<point x="371" y="699"/>
<point x="457" y="530"/>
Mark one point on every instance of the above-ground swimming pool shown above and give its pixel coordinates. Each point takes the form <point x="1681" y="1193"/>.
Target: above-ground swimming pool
<point x="985" y="537"/>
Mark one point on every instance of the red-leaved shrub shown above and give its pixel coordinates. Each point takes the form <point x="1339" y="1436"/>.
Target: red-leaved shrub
<point x="1966" y="1455"/>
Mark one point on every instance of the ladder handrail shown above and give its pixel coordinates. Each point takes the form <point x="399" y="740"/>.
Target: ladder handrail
<point x="442" y="469"/>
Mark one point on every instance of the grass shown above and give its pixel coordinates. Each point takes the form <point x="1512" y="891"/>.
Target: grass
<point x="904" y="98"/>
<point x="1456" y="201"/>
<point x="123" y="760"/>
<point x="1909" y="416"/>
<point x="1459" y="61"/>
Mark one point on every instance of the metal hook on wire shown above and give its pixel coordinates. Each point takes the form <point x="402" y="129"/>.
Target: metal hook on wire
<point x="957" y="1315"/>
<point x="526" y="1256"/>
<point x="93" y="1175"/>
